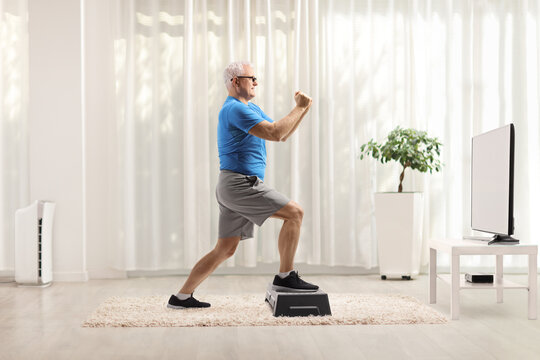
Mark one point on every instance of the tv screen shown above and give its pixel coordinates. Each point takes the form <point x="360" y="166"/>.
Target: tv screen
<point x="492" y="181"/>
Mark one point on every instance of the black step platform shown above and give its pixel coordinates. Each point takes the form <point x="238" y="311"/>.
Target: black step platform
<point x="298" y="304"/>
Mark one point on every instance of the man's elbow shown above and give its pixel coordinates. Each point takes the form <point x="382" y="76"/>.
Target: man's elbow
<point x="278" y="135"/>
<point x="282" y="136"/>
<point x="275" y="137"/>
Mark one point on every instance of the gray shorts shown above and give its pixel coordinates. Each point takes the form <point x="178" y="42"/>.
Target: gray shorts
<point x="244" y="200"/>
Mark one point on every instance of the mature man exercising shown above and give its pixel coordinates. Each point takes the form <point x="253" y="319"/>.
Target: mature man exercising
<point x="243" y="198"/>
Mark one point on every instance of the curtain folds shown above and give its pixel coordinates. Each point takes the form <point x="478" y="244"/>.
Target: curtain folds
<point x="453" y="68"/>
<point x="14" y="185"/>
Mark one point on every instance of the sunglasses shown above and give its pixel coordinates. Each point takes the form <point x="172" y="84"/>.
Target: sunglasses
<point x="253" y="78"/>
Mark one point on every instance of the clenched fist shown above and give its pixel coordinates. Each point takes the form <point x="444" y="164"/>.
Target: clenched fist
<point x="302" y="100"/>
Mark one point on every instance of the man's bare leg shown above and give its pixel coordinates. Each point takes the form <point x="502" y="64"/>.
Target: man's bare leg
<point x="224" y="249"/>
<point x="292" y="215"/>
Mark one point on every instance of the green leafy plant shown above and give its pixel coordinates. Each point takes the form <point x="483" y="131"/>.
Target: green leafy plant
<point x="409" y="147"/>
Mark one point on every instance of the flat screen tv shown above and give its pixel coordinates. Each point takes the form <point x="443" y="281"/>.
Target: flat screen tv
<point x="492" y="184"/>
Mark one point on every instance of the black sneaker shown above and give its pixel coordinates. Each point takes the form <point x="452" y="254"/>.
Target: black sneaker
<point x="292" y="283"/>
<point x="190" y="302"/>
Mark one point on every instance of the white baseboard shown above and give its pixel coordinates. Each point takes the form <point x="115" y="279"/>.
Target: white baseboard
<point x="70" y="276"/>
<point x="7" y="273"/>
<point x="263" y="269"/>
<point x="7" y="276"/>
<point x="107" y="274"/>
<point x="74" y="276"/>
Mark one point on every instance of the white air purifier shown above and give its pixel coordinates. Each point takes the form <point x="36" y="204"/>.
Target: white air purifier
<point x="33" y="244"/>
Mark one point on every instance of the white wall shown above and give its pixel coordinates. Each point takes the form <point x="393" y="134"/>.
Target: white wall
<point x="100" y="144"/>
<point x="55" y="128"/>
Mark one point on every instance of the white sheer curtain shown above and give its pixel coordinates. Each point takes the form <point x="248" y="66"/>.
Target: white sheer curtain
<point x="453" y="68"/>
<point x="13" y="123"/>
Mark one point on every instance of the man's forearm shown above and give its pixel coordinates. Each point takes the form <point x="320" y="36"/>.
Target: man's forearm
<point x="286" y="126"/>
<point x="297" y="123"/>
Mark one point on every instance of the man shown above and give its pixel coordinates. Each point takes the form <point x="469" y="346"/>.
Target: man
<point x="243" y="198"/>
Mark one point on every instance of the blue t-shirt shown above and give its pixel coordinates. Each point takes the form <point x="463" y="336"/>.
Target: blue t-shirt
<point x="238" y="150"/>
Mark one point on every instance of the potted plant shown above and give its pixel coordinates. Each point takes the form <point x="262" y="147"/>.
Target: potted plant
<point x="398" y="215"/>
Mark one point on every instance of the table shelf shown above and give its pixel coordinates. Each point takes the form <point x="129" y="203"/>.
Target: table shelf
<point x="464" y="284"/>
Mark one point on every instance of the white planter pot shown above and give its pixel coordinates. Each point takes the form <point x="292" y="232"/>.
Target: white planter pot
<point x="398" y="219"/>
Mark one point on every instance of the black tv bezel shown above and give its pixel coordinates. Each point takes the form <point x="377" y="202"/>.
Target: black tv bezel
<point x="510" y="230"/>
<point x="511" y="181"/>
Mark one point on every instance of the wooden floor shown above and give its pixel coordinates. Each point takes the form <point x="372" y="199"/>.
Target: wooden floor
<point x="45" y="324"/>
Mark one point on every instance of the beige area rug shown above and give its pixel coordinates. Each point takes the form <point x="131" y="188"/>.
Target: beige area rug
<point x="252" y="310"/>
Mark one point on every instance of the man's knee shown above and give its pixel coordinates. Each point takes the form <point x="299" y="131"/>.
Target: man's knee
<point x="227" y="247"/>
<point x="225" y="253"/>
<point x="290" y="212"/>
<point x="297" y="213"/>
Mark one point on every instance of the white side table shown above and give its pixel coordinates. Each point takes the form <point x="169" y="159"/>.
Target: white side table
<point x="458" y="247"/>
